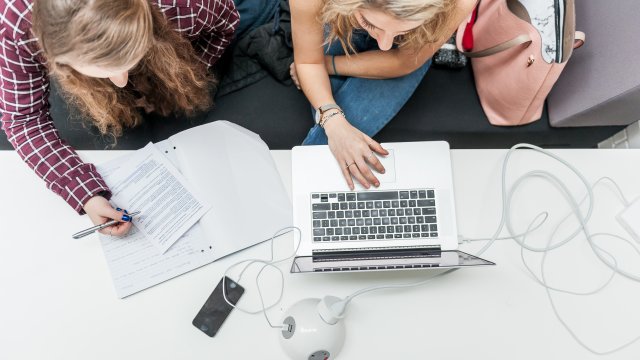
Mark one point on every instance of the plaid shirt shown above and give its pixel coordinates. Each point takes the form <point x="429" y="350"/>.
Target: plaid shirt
<point x="24" y="84"/>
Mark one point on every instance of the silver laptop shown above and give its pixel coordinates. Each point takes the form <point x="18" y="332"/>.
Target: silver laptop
<point x="409" y="222"/>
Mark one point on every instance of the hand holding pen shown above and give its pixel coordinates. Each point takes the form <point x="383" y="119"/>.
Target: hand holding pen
<point x="125" y="218"/>
<point x="100" y="212"/>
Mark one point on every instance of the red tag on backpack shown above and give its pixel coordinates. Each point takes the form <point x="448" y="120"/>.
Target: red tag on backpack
<point x="467" y="38"/>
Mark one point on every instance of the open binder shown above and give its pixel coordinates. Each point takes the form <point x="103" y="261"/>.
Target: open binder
<point x="230" y="168"/>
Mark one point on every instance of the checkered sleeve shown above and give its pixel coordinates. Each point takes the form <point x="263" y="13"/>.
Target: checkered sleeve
<point x="219" y="20"/>
<point x="27" y="122"/>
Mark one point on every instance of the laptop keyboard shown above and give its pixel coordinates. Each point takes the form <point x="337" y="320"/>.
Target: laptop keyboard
<point x="374" y="215"/>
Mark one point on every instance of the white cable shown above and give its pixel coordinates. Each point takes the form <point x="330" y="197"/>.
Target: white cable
<point x="505" y="221"/>
<point x="582" y="228"/>
<point x="462" y="239"/>
<point x="265" y="264"/>
<point x="544" y="215"/>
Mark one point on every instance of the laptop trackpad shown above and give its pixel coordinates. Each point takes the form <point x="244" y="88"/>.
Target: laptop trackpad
<point x="389" y="163"/>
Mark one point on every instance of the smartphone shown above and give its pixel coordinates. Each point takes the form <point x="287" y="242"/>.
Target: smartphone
<point x="215" y="310"/>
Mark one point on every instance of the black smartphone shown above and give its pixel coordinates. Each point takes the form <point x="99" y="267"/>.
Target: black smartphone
<point x="215" y="310"/>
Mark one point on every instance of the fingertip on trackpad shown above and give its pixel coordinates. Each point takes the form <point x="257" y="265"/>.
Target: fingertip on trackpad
<point x="389" y="163"/>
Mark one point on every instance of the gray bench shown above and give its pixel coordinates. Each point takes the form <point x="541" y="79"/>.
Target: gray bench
<point x="601" y="84"/>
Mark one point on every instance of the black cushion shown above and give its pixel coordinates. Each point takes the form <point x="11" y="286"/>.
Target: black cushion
<point x="444" y="107"/>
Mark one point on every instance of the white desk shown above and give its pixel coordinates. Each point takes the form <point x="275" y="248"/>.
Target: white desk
<point x="57" y="300"/>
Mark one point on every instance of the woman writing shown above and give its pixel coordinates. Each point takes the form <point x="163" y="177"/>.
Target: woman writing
<point x="112" y="58"/>
<point x="358" y="62"/>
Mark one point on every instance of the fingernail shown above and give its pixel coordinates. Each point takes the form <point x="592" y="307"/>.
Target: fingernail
<point x="118" y="209"/>
<point x="126" y="212"/>
<point x="126" y="218"/>
<point x="377" y="184"/>
<point x="382" y="172"/>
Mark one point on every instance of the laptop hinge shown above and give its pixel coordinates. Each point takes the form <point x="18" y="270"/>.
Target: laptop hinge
<point x="395" y="252"/>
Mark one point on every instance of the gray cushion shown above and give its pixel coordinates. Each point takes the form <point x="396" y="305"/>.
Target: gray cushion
<point x="601" y="82"/>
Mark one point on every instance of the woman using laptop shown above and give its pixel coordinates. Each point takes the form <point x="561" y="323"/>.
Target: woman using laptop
<point x="358" y="62"/>
<point x="112" y="59"/>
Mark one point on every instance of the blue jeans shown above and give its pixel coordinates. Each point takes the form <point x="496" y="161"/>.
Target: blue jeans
<point x="254" y="13"/>
<point x="368" y="104"/>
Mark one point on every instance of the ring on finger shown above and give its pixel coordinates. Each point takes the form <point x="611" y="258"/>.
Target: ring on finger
<point x="347" y="164"/>
<point x="371" y="155"/>
<point x="111" y="232"/>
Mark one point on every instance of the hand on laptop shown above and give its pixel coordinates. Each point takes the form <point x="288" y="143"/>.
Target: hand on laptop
<point x="354" y="152"/>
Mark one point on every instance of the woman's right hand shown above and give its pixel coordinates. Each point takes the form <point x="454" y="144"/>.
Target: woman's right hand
<point x="354" y="152"/>
<point x="100" y="211"/>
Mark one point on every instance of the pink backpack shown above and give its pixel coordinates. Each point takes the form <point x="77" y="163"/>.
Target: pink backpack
<point x="512" y="78"/>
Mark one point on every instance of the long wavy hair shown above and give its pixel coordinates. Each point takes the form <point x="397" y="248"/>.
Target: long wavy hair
<point x="115" y="33"/>
<point x="339" y="15"/>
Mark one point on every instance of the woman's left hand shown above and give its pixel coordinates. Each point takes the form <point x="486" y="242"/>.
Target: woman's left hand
<point x="294" y="75"/>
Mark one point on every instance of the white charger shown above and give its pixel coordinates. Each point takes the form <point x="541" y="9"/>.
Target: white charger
<point x="629" y="218"/>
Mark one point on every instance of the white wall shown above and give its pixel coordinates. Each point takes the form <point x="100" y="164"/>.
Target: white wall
<point x="628" y="138"/>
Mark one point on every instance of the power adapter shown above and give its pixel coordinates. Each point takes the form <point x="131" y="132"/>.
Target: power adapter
<point x="629" y="218"/>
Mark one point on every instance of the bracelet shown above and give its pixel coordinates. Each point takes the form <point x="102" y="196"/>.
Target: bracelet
<point x="333" y="63"/>
<point x="320" y="111"/>
<point x="326" y="118"/>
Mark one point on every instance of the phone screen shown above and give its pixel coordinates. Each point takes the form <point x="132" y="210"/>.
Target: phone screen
<point x="215" y="310"/>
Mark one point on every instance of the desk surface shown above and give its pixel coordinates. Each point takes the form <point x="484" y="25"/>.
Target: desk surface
<point x="57" y="300"/>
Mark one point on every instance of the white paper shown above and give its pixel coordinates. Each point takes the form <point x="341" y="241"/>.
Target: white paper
<point x="135" y="264"/>
<point x="147" y="182"/>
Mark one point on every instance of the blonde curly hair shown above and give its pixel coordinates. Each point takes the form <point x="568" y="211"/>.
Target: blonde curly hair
<point x="339" y="15"/>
